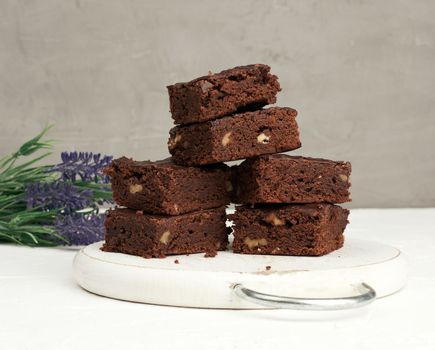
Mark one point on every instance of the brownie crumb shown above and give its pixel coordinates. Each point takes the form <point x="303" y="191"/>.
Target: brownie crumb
<point x="268" y="267"/>
<point x="139" y="212"/>
<point x="210" y="254"/>
<point x="176" y="261"/>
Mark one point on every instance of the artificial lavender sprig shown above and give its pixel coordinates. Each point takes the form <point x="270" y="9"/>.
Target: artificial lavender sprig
<point x="84" y="166"/>
<point x="80" y="229"/>
<point x="60" y="195"/>
<point x="44" y="205"/>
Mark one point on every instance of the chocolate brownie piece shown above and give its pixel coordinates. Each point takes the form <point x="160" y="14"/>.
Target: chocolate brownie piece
<point x="235" y="137"/>
<point x="293" y="229"/>
<point x="155" y="236"/>
<point x="216" y="95"/>
<point x="281" y="178"/>
<point x="163" y="187"/>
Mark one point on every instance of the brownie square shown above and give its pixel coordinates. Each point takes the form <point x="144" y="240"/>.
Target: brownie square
<point x="217" y="95"/>
<point x="163" y="187"/>
<point x="235" y="137"/>
<point x="156" y="236"/>
<point x="294" y="229"/>
<point x="281" y="178"/>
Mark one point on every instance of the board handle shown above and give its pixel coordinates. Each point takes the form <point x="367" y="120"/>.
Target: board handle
<point x="366" y="295"/>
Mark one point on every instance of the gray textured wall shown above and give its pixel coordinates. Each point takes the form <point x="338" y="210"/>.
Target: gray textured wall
<point x="361" y="74"/>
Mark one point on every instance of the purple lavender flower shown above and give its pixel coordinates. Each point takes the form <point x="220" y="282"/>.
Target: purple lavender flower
<point x="57" y="195"/>
<point x="81" y="229"/>
<point x="85" y="166"/>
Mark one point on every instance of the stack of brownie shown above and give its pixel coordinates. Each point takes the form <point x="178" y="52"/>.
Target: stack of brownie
<point x="169" y="209"/>
<point x="177" y="206"/>
<point x="293" y="212"/>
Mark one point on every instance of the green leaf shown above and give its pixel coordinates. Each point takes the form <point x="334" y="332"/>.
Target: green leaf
<point x="27" y="149"/>
<point x="33" y="145"/>
<point x="99" y="191"/>
<point x="23" y="167"/>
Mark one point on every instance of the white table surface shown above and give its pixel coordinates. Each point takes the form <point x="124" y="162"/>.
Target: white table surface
<point x="41" y="307"/>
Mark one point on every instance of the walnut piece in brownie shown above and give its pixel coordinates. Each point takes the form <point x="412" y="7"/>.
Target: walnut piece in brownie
<point x="163" y="187"/>
<point x="217" y="95"/>
<point x="294" y="229"/>
<point x="235" y="137"/>
<point x="281" y="178"/>
<point x="156" y="236"/>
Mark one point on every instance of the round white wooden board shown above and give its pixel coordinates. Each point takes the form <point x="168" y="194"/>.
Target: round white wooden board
<point x="197" y="281"/>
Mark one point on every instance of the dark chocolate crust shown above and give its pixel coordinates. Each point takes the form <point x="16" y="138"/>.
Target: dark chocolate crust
<point x="217" y="95"/>
<point x="163" y="187"/>
<point x="294" y="229"/>
<point x="235" y="137"/>
<point x="281" y="178"/>
<point x="154" y="236"/>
